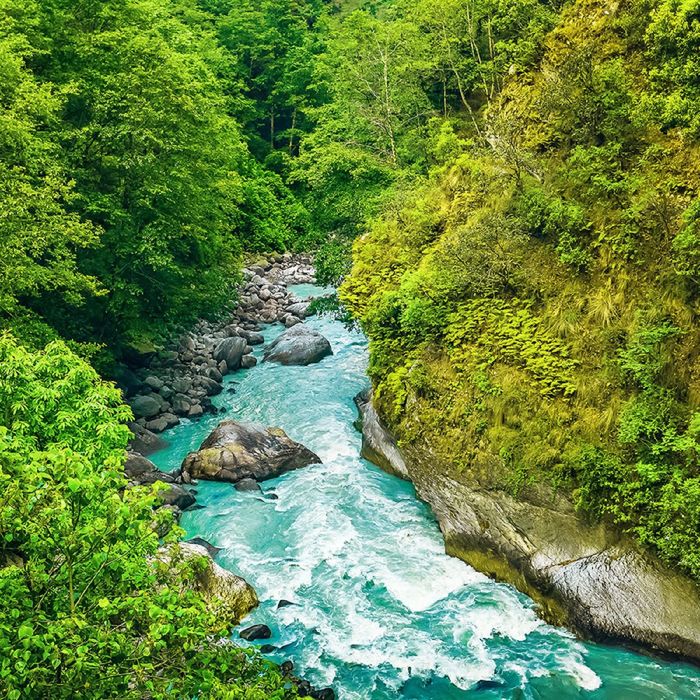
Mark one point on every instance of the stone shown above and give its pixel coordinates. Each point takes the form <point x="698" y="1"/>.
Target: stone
<point x="144" y="441"/>
<point x="267" y="648"/>
<point x="175" y="495"/>
<point x="145" y="406"/>
<point x="195" y="411"/>
<point x="154" y="382"/>
<point x="378" y="445"/>
<point x="250" y="634"/>
<point x="248" y="362"/>
<point x="323" y="694"/>
<point x="171" y="419"/>
<point x="230" y="350"/>
<point x="181" y="405"/>
<point x="291" y="321"/>
<point x="212" y="550"/>
<point x="166" y="392"/>
<point x="223" y="591"/>
<point x="157" y="425"/>
<point x="300" y="309"/>
<point x="210" y="386"/>
<point x="287" y="668"/>
<point x="247" y="485"/>
<point x="299" y="345"/>
<point x="181" y="385"/>
<point x="284" y="603"/>
<point x="137" y="468"/>
<point x="235" y="451"/>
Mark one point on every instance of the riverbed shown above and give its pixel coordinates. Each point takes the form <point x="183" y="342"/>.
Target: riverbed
<point x="379" y="610"/>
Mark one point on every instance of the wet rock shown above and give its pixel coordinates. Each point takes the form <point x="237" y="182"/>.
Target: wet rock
<point x="247" y="485"/>
<point x="287" y="668"/>
<point x="267" y="648"/>
<point x="145" y="406"/>
<point x="141" y="470"/>
<point x="378" y="445"/>
<point x="248" y="361"/>
<point x="323" y="694"/>
<point x="250" y="634"/>
<point x="235" y="451"/>
<point x="195" y="411"/>
<point x="174" y="495"/>
<point x="210" y="386"/>
<point x="299" y="309"/>
<point x="171" y="419"/>
<point x="181" y="405"/>
<point x="230" y="350"/>
<point x="284" y="603"/>
<point x="144" y="441"/>
<point x="212" y="550"/>
<point x="157" y="425"/>
<point x="299" y="345"/>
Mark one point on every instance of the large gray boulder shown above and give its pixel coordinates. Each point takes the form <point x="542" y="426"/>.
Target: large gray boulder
<point x="299" y="345"/>
<point x="144" y="441"/>
<point x="141" y="470"/>
<point x="145" y="406"/>
<point x="231" y="350"/>
<point x="235" y="451"/>
<point x="224" y="592"/>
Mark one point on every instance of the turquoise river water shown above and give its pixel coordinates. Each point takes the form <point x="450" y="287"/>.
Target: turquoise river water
<point x="381" y="612"/>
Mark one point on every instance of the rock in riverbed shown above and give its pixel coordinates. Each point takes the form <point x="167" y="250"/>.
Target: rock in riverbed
<point x="235" y="451"/>
<point x="299" y="345"/>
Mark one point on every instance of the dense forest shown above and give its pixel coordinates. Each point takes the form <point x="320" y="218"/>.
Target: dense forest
<point x="518" y="183"/>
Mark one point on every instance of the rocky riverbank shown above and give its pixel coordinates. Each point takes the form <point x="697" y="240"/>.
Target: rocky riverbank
<point x="178" y="382"/>
<point x="586" y="577"/>
<point x="166" y="385"/>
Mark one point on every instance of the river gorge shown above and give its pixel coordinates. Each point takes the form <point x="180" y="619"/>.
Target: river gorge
<point x="378" y="609"/>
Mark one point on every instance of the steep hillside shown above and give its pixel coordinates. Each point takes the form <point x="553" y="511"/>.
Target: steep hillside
<point x="532" y="303"/>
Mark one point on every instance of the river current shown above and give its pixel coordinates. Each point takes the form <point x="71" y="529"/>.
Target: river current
<point x="380" y="611"/>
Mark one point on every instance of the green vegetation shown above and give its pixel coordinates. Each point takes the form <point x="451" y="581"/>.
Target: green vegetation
<point x="86" y="608"/>
<point x="519" y="182"/>
<point x="531" y="298"/>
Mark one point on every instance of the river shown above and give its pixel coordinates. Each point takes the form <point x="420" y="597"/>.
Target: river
<point x="380" y="611"/>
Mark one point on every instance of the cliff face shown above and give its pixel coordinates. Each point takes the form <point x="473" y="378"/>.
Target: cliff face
<point x="583" y="576"/>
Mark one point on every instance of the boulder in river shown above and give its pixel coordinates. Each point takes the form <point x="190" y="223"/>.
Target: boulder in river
<point x="235" y="451"/>
<point x="298" y="345"/>
<point x="144" y="441"/>
<point x="247" y="485"/>
<point x="250" y="634"/>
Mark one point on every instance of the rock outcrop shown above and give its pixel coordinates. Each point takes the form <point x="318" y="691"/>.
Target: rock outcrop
<point x="584" y="576"/>
<point x="378" y="445"/>
<point x="235" y="451"/>
<point x="299" y="345"/>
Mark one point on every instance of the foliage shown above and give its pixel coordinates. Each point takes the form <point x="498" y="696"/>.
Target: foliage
<point x="86" y="608"/>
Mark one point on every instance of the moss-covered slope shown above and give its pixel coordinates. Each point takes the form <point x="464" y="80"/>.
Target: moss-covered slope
<point x="532" y="305"/>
